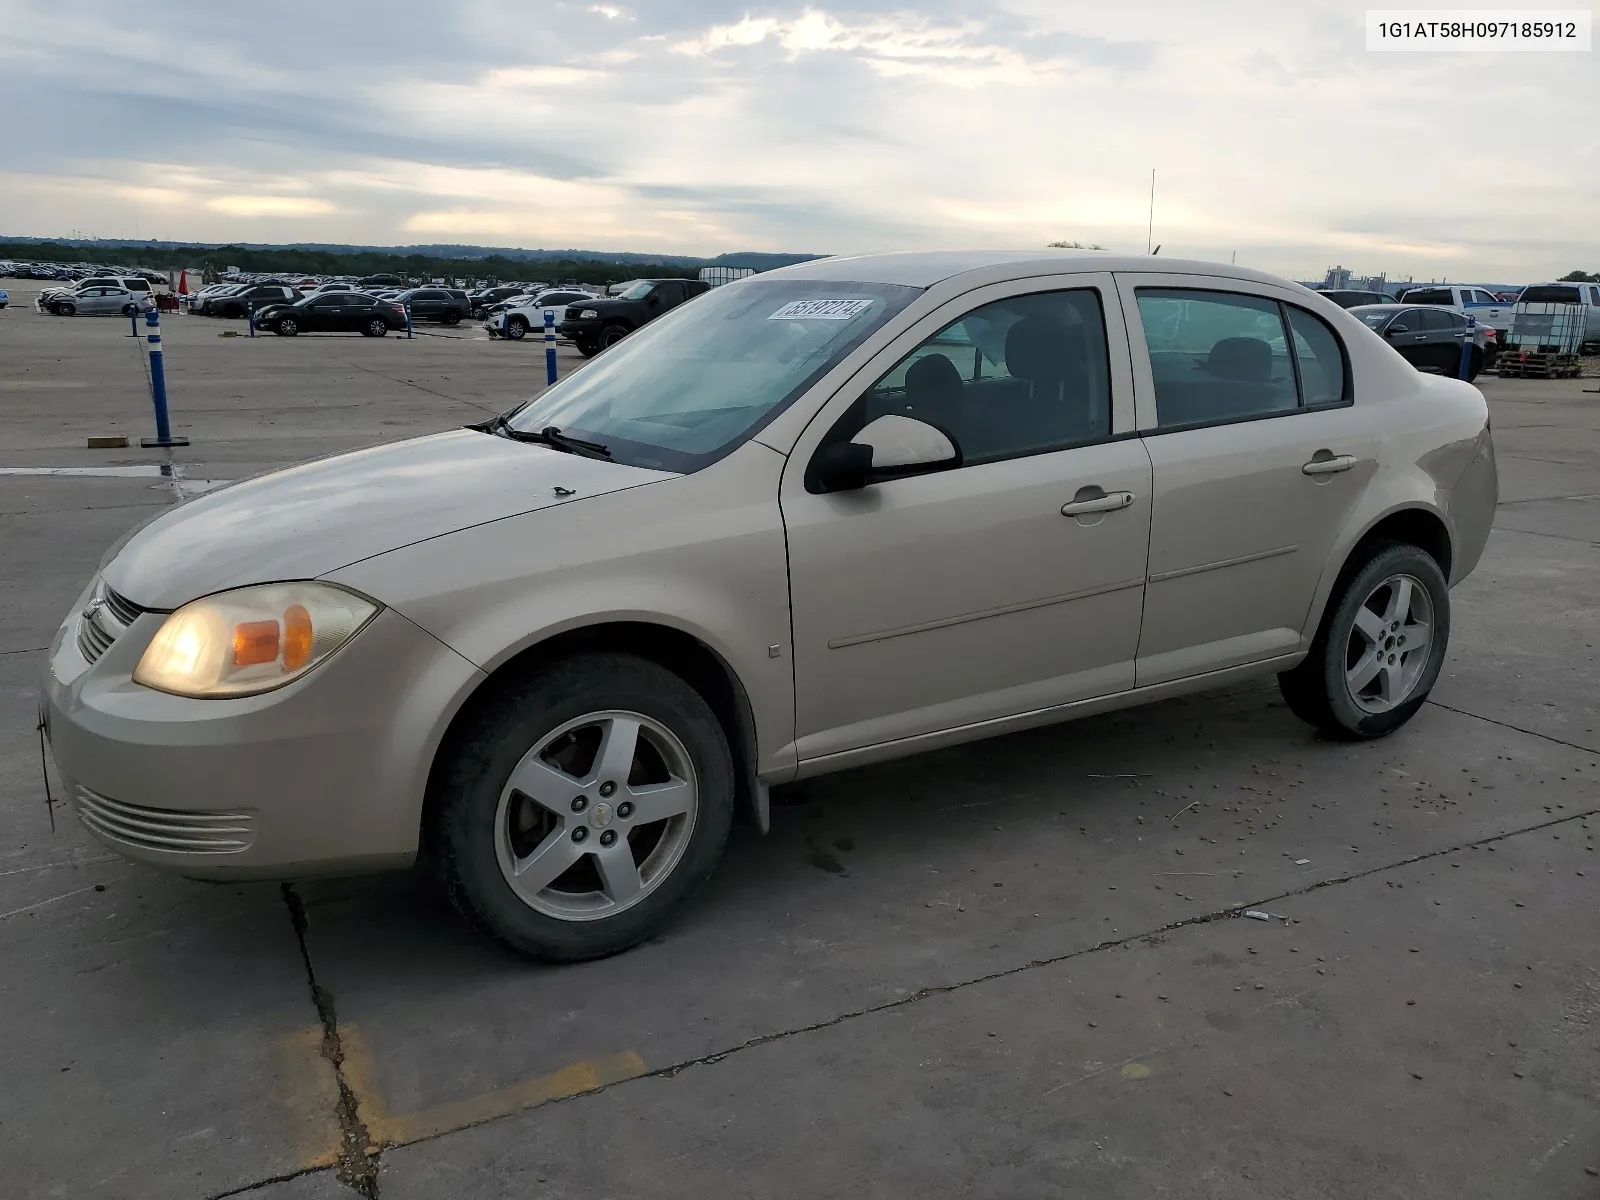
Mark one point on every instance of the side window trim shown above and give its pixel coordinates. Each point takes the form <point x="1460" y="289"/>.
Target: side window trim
<point x="1147" y="422"/>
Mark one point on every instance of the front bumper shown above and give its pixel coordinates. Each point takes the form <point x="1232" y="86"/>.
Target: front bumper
<point x="578" y="328"/>
<point x="325" y="775"/>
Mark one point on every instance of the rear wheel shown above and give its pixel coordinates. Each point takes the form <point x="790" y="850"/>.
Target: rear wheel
<point x="1474" y="365"/>
<point x="129" y="309"/>
<point x="1379" y="650"/>
<point x="585" y="805"/>
<point x="517" y="328"/>
<point x="450" y="318"/>
<point x="587" y="347"/>
<point x="376" y="327"/>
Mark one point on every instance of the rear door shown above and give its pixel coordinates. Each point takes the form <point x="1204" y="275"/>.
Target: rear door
<point x="1259" y="456"/>
<point x="1442" y="340"/>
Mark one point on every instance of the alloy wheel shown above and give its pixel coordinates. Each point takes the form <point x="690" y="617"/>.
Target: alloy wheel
<point x="1388" y="650"/>
<point x="596" y="816"/>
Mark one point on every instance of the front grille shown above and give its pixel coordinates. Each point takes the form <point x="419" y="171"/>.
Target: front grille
<point x="122" y="608"/>
<point x="165" y="829"/>
<point x="104" y="620"/>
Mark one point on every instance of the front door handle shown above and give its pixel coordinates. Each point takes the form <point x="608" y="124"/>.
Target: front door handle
<point x="1100" y="502"/>
<point x="1331" y="465"/>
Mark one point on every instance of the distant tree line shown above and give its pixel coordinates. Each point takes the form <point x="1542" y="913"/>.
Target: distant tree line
<point x="289" y="261"/>
<point x="1581" y="277"/>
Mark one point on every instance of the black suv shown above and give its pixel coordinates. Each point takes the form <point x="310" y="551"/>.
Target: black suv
<point x="598" y="323"/>
<point x="445" y="305"/>
<point x="257" y="296"/>
<point x="483" y="301"/>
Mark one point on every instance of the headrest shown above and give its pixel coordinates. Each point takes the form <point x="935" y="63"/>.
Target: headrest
<point x="1244" y="359"/>
<point x="1041" y="349"/>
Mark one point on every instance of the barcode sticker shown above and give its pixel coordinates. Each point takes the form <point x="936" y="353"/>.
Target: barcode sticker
<point x="821" y="310"/>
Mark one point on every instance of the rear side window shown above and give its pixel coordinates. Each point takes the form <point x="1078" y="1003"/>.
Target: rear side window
<point x="1551" y="294"/>
<point x="1433" y="320"/>
<point x="1320" y="359"/>
<point x="1216" y="356"/>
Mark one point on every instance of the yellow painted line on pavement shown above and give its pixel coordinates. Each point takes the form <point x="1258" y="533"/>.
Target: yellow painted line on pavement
<point x="398" y="1129"/>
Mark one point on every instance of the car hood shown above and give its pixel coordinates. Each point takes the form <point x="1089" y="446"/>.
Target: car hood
<point x="316" y="518"/>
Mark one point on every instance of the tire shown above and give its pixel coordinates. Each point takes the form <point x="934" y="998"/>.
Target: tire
<point x="517" y="328"/>
<point x="573" y="708"/>
<point x="286" y="327"/>
<point x="1337" y="688"/>
<point x="376" y="327"/>
<point x="588" y="348"/>
<point x="64" y="309"/>
<point x="1474" y="365"/>
<point x="611" y="335"/>
<point x="450" y="318"/>
<point x="129" y="309"/>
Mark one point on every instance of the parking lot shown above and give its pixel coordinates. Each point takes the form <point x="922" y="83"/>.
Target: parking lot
<point x="1015" y="968"/>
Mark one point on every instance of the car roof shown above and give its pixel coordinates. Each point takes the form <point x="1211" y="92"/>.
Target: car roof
<point x="924" y="268"/>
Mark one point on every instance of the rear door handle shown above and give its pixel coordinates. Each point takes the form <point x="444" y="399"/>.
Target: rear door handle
<point x="1329" y="466"/>
<point x="1104" y="502"/>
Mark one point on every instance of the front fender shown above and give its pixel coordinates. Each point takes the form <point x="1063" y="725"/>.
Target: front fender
<point x="703" y="554"/>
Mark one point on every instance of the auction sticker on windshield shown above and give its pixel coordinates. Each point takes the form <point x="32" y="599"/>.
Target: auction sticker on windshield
<point x="821" y="310"/>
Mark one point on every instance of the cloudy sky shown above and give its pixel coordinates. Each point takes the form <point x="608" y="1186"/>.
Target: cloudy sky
<point x="699" y="126"/>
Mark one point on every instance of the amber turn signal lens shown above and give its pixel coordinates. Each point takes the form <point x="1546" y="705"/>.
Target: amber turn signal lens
<point x="296" y="637"/>
<point x="255" y="642"/>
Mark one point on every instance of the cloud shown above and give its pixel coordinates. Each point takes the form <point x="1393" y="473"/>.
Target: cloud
<point x="824" y="125"/>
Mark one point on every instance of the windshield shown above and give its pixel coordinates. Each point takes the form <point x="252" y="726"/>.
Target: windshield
<point x="693" y="384"/>
<point x="638" y="291"/>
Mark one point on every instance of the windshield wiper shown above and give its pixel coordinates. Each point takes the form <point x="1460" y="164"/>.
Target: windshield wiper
<point x="550" y="436"/>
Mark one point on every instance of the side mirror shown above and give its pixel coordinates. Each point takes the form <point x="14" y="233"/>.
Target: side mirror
<point x="887" y="448"/>
<point x="1394" y="329"/>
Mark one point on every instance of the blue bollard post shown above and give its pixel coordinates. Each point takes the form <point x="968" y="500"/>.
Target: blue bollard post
<point x="250" y="315"/>
<point x="133" y="319"/>
<point x="1466" y="349"/>
<point x="408" y="320"/>
<point x="158" y="385"/>
<point x="549" y="346"/>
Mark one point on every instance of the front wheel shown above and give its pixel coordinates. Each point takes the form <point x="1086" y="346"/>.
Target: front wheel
<point x="582" y="806"/>
<point x="517" y="329"/>
<point x="65" y="310"/>
<point x="611" y="335"/>
<point x="287" y="327"/>
<point x="1379" y="650"/>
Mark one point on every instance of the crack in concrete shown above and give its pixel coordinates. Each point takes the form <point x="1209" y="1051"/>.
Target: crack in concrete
<point x="268" y="1181"/>
<point x="1514" y="728"/>
<point x="357" y="1168"/>
<point x="922" y="994"/>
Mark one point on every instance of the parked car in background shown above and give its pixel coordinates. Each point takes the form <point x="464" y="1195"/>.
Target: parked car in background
<point x="485" y="299"/>
<point x="555" y="653"/>
<point x="100" y="302"/>
<point x="603" y="322"/>
<point x="1479" y="303"/>
<point x="1427" y="336"/>
<point x="333" y="312"/>
<point x="1350" y="298"/>
<point x="448" y="306"/>
<point x="236" y="302"/>
<point x="515" y="322"/>
<point x="380" y="280"/>
<point x="5" y="298"/>
<point x="1559" y="292"/>
<point x="131" y="283"/>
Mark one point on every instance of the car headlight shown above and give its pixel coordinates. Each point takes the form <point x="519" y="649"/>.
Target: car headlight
<point x="250" y="640"/>
<point x="588" y="314"/>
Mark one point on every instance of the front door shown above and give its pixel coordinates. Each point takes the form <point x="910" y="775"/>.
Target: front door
<point x="1006" y="585"/>
<point x="1259" y="457"/>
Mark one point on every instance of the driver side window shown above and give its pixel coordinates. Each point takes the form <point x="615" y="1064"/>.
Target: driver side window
<point x="1019" y="376"/>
